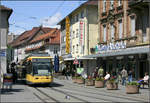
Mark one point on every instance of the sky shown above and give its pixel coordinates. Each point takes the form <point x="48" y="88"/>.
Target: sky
<point x="29" y="14"/>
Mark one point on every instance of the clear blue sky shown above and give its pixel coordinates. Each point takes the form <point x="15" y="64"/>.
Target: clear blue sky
<point x="29" y="14"/>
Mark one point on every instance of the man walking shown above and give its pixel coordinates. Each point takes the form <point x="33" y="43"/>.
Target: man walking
<point x="124" y="75"/>
<point x="100" y="72"/>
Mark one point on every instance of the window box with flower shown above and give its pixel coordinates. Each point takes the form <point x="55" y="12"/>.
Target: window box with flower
<point x="99" y="82"/>
<point x="89" y="81"/>
<point x="80" y="80"/>
<point x="112" y="84"/>
<point x="132" y="87"/>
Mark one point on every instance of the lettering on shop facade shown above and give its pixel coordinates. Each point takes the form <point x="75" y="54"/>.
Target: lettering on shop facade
<point x="110" y="46"/>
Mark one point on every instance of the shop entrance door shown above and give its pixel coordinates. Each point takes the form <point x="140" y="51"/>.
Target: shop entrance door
<point x="142" y="69"/>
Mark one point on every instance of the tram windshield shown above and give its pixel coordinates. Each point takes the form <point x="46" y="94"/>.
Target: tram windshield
<point x="42" y="68"/>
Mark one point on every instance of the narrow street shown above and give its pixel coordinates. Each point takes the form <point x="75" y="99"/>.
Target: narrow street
<point x="66" y="91"/>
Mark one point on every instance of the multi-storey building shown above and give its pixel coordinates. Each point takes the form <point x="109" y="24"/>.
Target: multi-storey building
<point x="49" y="43"/>
<point x="5" y="13"/>
<point x="124" y="36"/>
<point x="83" y="33"/>
<point x="20" y="43"/>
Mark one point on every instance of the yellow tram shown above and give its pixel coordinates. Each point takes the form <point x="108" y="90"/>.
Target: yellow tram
<point x="39" y="69"/>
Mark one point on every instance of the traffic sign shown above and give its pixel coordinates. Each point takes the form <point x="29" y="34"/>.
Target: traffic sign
<point x="75" y="61"/>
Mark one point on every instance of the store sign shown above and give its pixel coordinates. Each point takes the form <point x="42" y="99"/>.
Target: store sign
<point x="81" y="33"/>
<point x="67" y="35"/>
<point x="110" y="46"/>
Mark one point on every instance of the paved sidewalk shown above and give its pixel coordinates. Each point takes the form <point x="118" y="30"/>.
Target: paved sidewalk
<point x="19" y="93"/>
<point x="143" y="94"/>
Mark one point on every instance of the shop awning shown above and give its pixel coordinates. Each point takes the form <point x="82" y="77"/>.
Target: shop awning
<point x="79" y="58"/>
<point x="127" y="51"/>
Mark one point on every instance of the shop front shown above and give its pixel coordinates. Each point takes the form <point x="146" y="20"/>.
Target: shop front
<point x="135" y="59"/>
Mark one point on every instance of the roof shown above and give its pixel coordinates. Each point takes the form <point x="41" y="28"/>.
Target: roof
<point x="9" y="10"/>
<point x="52" y="33"/>
<point x="2" y="7"/>
<point x="27" y="35"/>
<point x="53" y="36"/>
<point x="90" y="2"/>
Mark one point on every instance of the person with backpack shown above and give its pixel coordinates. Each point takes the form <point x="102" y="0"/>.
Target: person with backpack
<point x="124" y="76"/>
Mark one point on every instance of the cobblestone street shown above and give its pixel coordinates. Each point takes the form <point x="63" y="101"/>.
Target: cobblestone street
<point x="66" y="91"/>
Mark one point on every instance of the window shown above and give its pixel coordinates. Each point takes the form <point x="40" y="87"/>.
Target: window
<point x="104" y="6"/>
<point x="112" y="31"/>
<point x="77" y="33"/>
<point x="111" y="4"/>
<point x="104" y="30"/>
<point x="73" y="49"/>
<point x="120" y="29"/>
<point x="55" y="51"/>
<point x="73" y="34"/>
<point x="119" y="2"/>
<point x="64" y="38"/>
<point x="82" y="14"/>
<point x="132" y="25"/>
<point x="77" y="17"/>
<point x="77" y="48"/>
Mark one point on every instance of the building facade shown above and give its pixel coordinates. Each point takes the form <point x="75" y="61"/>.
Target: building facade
<point x="123" y="36"/>
<point x="49" y="43"/>
<point x="20" y="43"/>
<point x="4" y="25"/>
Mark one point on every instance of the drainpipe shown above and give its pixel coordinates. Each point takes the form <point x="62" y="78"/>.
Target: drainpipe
<point x="87" y="30"/>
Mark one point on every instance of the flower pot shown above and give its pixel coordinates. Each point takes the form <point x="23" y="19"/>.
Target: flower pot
<point x="89" y="82"/>
<point x="80" y="81"/>
<point x="132" y="89"/>
<point x="112" y="86"/>
<point x="99" y="84"/>
<point x="74" y="80"/>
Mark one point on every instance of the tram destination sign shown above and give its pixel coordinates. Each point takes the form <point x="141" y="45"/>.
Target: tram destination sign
<point x="40" y="60"/>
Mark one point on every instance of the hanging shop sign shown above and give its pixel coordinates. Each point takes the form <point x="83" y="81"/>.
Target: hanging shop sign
<point x="110" y="46"/>
<point x="67" y="35"/>
<point x="81" y="32"/>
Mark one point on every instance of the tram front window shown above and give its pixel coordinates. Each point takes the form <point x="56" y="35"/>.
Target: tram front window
<point x="41" y="69"/>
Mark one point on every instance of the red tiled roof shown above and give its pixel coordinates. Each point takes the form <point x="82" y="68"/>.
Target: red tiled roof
<point x="54" y="34"/>
<point x="27" y="35"/>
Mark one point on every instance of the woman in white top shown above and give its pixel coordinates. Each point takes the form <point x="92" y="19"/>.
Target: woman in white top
<point x="145" y="79"/>
<point x="107" y="76"/>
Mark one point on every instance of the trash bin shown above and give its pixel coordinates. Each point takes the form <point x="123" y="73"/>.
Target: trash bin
<point x="8" y="80"/>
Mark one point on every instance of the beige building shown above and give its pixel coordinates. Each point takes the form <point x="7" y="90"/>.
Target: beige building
<point x="83" y="33"/>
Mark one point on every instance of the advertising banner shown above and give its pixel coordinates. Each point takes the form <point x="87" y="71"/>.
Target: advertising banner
<point x="67" y="35"/>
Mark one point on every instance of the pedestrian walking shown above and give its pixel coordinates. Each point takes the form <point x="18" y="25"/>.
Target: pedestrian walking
<point x="100" y="72"/>
<point x="124" y="76"/>
<point x="130" y="74"/>
<point x="95" y="72"/>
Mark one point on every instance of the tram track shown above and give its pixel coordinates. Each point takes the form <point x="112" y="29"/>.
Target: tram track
<point x="69" y="94"/>
<point x="132" y="98"/>
<point x="43" y="93"/>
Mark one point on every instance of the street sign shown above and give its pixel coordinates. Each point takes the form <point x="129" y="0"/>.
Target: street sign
<point x="2" y="53"/>
<point x="75" y="61"/>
